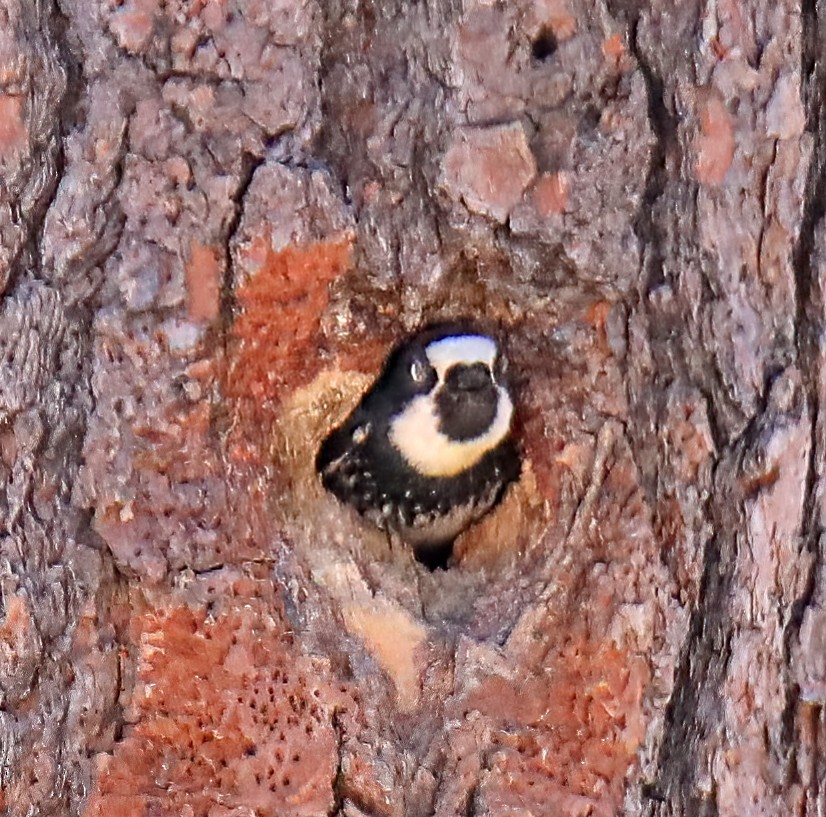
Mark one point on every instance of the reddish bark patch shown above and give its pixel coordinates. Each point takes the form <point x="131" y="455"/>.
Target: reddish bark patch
<point x="714" y="142"/>
<point x="489" y="169"/>
<point x="17" y="624"/>
<point x="597" y="315"/>
<point x="563" y="26"/>
<point x="567" y="735"/>
<point x="545" y="453"/>
<point x="365" y="355"/>
<point x="690" y="435"/>
<point x="222" y="715"/>
<point x="132" y="25"/>
<point x="276" y="333"/>
<point x="14" y="134"/>
<point x="613" y="49"/>
<point x="203" y="282"/>
<point x="550" y="194"/>
<point x="19" y="645"/>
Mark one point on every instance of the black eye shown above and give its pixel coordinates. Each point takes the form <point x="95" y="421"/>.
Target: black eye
<point x="418" y="371"/>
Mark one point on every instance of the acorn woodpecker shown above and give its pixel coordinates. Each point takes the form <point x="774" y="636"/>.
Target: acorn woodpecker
<point x="429" y="449"/>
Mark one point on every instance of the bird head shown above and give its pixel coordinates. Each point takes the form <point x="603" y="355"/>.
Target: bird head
<point x="445" y="399"/>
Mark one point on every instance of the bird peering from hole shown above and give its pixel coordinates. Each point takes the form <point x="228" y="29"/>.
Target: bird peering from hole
<point x="429" y="449"/>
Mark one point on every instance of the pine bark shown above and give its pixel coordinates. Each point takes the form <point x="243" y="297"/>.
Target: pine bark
<point x="216" y="218"/>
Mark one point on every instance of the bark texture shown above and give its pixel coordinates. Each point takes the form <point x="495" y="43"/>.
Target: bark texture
<point x="216" y="216"/>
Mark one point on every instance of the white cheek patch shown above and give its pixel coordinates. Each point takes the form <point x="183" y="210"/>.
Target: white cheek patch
<point x="416" y="436"/>
<point x="465" y="349"/>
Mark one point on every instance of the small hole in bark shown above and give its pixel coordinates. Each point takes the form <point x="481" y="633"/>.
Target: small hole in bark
<point x="544" y="45"/>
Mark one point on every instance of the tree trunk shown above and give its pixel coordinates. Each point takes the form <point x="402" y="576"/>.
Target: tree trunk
<point x="215" y="220"/>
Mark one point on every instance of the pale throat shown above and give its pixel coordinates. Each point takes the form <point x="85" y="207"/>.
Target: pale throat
<point x="415" y="434"/>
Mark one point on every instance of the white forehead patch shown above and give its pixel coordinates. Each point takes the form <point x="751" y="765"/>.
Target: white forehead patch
<point x="467" y="349"/>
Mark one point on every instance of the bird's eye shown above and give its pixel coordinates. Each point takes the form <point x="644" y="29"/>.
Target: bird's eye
<point x="418" y="371"/>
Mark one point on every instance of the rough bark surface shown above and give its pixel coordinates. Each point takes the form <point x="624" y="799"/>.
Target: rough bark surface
<point x="216" y="216"/>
